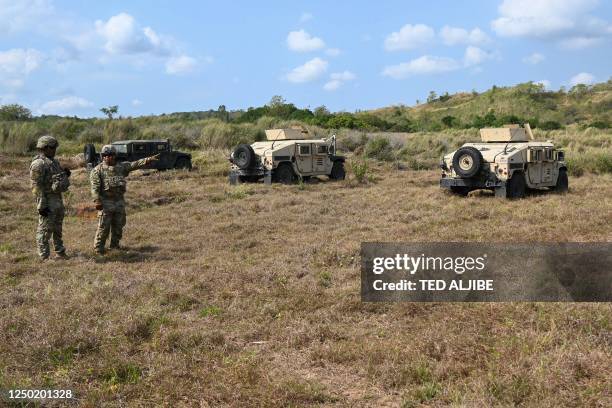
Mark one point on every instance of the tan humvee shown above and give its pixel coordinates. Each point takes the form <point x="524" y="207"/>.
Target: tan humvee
<point x="286" y="156"/>
<point x="507" y="161"/>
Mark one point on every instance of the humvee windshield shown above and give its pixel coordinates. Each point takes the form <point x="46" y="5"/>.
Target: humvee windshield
<point x="121" y="148"/>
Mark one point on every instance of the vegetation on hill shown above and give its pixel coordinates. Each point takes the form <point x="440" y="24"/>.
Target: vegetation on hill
<point x="580" y="108"/>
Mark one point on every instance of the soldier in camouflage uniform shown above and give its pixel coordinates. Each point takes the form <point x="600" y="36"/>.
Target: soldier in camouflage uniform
<point x="108" y="185"/>
<point x="49" y="181"/>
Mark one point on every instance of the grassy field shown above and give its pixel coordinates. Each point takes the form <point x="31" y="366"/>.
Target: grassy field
<point x="249" y="296"/>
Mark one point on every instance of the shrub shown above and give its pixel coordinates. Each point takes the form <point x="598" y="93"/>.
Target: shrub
<point x="550" y="125"/>
<point x="359" y="169"/>
<point x="91" y="134"/>
<point x="379" y="148"/>
<point x="67" y="129"/>
<point x="121" y="129"/>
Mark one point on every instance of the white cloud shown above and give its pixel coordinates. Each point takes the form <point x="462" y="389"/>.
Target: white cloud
<point x="461" y="36"/>
<point x="582" y="78"/>
<point x="20" y="61"/>
<point x="565" y="21"/>
<point x="182" y="64"/>
<point x="123" y="35"/>
<point x="544" y="82"/>
<point x="534" y="58"/>
<point x="409" y="37"/>
<point x="136" y="102"/>
<point x="301" y="41"/>
<point x="337" y="79"/>
<point x="343" y="76"/>
<point x="16" y="64"/>
<point x="475" y="56"/>
<point x="65" y="105"/>
<point x="310" y="71"/>
<point x="421" y="66"/>
<point x="22" y="15"/>
<point x="332" y="85"/>
<point x="576" y="43"/>
<point x="332" y="52"/>
<point x="306" y="17"/>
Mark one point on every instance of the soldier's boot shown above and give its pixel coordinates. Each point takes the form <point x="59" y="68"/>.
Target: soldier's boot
<point x="61" y="255"/>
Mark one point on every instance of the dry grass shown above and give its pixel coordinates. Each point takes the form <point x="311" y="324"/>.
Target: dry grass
<point x="250" y="296"/>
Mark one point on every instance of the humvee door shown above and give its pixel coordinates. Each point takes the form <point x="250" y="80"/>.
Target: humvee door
<point x="304" y="157"/>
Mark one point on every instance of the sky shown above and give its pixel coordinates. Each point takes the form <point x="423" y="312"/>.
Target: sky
<point x="152" y="57"/>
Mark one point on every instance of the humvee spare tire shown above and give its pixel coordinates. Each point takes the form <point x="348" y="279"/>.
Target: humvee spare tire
<point x="467" y="161"/>
<point x="244" y="156"/>
<point x="90" y="153"/>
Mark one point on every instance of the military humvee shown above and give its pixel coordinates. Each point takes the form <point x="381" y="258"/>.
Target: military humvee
<point x="131" y="150"/>
<point x="285" y="157"/>
<point x="508" y="161"/>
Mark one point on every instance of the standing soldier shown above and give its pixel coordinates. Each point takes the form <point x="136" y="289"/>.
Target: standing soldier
<point x="108" y="185"/>
<point x="49" y="181"/>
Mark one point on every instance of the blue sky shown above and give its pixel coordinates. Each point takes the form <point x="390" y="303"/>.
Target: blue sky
<point x="72" y="57"/>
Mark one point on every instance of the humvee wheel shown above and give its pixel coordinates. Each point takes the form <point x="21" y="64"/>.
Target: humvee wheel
<point x="516" y="186"/>
<point x="337" y="171"/>
<point x="467" y="161"/>
<point x="244" y="156"/>
<point x="183" y="163"/>
<point x="562" y="185"/>
<point x="89" y="151"/>
<point x="285" y="175"/>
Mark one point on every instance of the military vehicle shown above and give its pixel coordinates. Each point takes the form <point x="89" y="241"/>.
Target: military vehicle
<point x="508" y="161"/>
<point x="131" y="150"/>
<point x="285" y="157"/>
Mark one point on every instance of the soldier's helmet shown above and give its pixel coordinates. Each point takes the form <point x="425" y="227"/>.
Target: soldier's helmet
<point x="46" y="141"/>
<point x="108" y="150"/>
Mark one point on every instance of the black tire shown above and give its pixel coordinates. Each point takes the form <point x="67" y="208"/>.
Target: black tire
<point x="248" y="179"/>
<point x="89" y="151"/>
<point x="285" y="174"/>
<point x="243" y="156"/>
<point x="337" y="171"/>
<point x="516" y="186"/>
<point x="562" y="185"/>
<point x="467" y="161"/>
<point x="460" y="190"/>
<point x="183" y="163"/>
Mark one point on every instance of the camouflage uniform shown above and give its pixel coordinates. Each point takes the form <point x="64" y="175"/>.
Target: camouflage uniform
<point x="48" y="182"/>
<point x="108" y="185"/>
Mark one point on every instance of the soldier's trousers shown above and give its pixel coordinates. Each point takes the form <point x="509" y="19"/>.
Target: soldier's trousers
<point x="51" y="227"/>
<point x="110" y="220"/>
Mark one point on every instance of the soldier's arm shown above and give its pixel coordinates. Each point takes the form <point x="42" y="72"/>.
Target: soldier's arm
<point x="96" y="186"/>
<point x="37" y="170"/>
<point x="138" y="164"/>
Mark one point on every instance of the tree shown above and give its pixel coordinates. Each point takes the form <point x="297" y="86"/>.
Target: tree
<point x="276" y="101"/>
<point x="321" y="111"/>
<point x="432" y="96"/>
<point x="110" y="111"/>
<point x="15" y="112"/>
<point x="223" y="113"/>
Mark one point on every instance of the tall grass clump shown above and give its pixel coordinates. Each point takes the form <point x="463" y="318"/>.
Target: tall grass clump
<point x="19" y="137"/>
